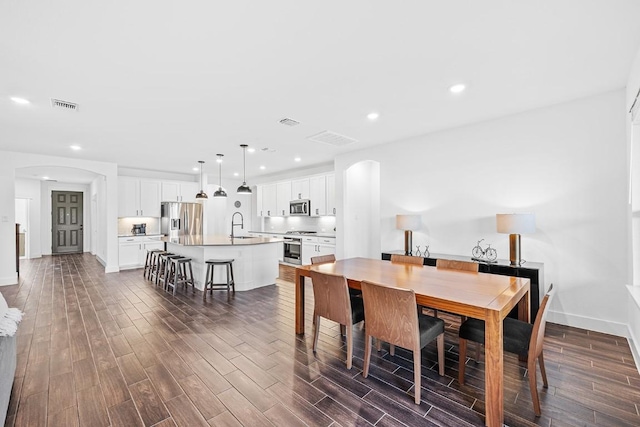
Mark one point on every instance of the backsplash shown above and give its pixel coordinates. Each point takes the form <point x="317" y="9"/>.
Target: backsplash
<point x="126" y="224"/>
<point x="321" y="224"/>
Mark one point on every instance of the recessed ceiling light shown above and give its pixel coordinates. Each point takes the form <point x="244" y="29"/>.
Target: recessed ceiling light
<point x="236" y="174"/>
<point x="19" y="100"/>
<point x="263" y="167"/>
<point x="195" y="169"/>
<point x="45" y="177"/>
<point x="251" y="150"/>
<point x="373" y="116"/>
<point x="297" y="159"/>
<point x="457" y="88"/>
<point x="75" y="147"/>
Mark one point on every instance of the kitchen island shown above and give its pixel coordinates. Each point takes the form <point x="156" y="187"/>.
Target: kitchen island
<point x="255" y="258"/>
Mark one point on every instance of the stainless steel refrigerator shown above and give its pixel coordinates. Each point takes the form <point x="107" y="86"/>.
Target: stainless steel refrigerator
<point x="181" y="219"/>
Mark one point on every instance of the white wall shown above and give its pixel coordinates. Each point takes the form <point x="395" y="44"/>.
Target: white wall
<point x="568" y="164"/>
<point x="30" y="189"/>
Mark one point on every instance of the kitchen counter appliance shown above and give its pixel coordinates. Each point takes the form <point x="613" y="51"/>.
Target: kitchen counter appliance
<point x="300" y="207"/>
<point x="181" y="219"/>
<point x="292" y="250"/>
<point x="139" y="229"/>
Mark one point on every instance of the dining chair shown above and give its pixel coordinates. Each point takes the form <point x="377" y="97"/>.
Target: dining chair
<point x="407" y="259"/>
<point x="519" y="337"/>
<point x="457" y="265"/>
<point x="392" y="316"/>
<point x="322" y="259"/>
<point x="332" y="301"/>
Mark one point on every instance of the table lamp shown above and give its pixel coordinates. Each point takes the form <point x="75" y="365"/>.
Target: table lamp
<point x="514" y="225"/>
<point x="408" y="223"/>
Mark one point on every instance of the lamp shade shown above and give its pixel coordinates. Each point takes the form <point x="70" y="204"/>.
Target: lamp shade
<point x="408" y="222"/>
<point x="516" y="223"/>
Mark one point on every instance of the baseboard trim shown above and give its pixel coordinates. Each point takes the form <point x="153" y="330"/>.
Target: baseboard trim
<point x="589" y="323"/>
<point x="10" y="280"/>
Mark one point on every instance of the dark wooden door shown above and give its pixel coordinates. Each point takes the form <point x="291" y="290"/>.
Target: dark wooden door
<point x="66" y="222"/>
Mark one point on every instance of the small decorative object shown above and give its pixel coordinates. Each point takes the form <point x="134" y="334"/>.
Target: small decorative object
<point x="489" y="254"/>
<point x="408" y="223"/>
<point x="418" y="253"/>
<point x="514" y="225"/>
<point x="237" y="204"/>
<point x="426" y="252"/>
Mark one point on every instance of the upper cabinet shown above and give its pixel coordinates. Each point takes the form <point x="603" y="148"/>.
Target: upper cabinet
<point x="179" y="191"/>
<point x="138" y="197"/>
<point x="273" y="199"/>
<point x="300" y="189"/>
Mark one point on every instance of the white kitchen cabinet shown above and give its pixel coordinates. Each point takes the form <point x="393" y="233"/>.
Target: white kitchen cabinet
<point x="300" y="189"/>
<point x="269" y="200"/>
<point x="318" y="195"/>
<point x="173" y="191"/>
<point x="283" y="197"/>
<point x="138" y="197"/>
<point x="259" y="191"/>
<point x="316" y="246"/>
<point x="132" y="251"/>
<point x="331" y="194"/>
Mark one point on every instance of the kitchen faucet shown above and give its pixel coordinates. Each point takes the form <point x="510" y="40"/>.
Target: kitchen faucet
<point x="233" y="224"/>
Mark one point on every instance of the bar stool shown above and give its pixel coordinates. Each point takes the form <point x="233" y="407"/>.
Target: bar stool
<point x="163" y="268"/>
<point x="150" y="262"/>
<point x="208" y="281"/>
<point x="179" y="275"/>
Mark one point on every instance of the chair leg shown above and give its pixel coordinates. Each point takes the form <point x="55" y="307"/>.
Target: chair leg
<point x="531" y="364"/>
<point x="440" y="344"/>
<point x="343" y="330"/>
<point x="477" y="352"/>
<point x="316" y="333"/>
<point x="417" y="373"/>
<point x="392" y="349"/>
<point x="349" y="346"/>
<point x="378" y="344"/>
<point x="543" y="371"/>
<point x="462" y="358"/>
<point x="367" y="355"/>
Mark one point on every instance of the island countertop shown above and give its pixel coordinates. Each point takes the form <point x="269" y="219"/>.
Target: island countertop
<point x="219" y="240"/>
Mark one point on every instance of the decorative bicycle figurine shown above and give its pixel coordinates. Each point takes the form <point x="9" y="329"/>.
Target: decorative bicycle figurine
<point x="489" y="253"/>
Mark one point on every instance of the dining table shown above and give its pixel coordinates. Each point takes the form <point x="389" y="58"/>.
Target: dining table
<point x="482" y="296"/>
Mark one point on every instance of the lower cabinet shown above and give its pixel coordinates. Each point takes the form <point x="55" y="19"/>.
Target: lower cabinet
<point x="316" y="246"/>
<point x="132" y="251"/>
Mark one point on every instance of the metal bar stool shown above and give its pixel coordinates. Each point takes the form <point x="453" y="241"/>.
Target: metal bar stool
<point x="164" y="261"/>
<point x="179" y="275"/>
<point x="210" y="285"/>
<point x="151" y="262"/>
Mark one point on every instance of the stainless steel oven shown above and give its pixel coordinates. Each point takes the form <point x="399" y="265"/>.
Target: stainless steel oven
<point x="293" y="250"/>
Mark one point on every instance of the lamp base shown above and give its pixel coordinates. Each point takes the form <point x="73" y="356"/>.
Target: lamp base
<point x="408" y="243"/>
<point x="514" y="249"/>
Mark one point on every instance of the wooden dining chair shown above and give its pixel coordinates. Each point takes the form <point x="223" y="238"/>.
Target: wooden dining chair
<point x="407" y="259"/>
<point x="392" y="316"/>
<point x="322" y="259"/>
<point x="457" y="265"/>
<point x="519" y="337"/>
<point x="332" y="301"/>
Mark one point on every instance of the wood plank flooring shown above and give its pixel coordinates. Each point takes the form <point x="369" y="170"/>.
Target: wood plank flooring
<point x="99" y="349"/>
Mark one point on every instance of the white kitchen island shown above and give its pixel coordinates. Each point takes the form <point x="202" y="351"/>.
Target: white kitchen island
<point x="255" y="258"/>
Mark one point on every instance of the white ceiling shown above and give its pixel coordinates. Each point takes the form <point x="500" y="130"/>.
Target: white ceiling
<point x="163" y="84"/>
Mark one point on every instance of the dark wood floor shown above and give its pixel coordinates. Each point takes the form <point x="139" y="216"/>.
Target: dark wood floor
<point x="98" y="349"/>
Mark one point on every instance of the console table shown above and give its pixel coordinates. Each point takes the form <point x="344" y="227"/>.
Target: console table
<point x="534" y="271"/>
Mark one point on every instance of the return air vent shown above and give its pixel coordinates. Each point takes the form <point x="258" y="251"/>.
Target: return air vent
<point x="332" y="138"/>
<point x="289" y="122"/>
<point x="64" y="105"/>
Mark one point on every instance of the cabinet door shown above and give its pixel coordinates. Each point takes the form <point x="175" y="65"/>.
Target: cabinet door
<point x="318" y="190"/>
<point x="129" y="254"/>
<point x="325" y="249"/>
<point x="170" y="192"/>
<point x="147" y="246"/>
<point x="300" y="189"/>
<point x="150" y="198"/>
<point x="308" y="250"/>
<point x="283" y="197"/>
<point x="188" y="191"/>
<point x="269" y="202"/>
<point x="128" y="197"/>
<point x="259" y="211"/>
<point x="331" y="194"/>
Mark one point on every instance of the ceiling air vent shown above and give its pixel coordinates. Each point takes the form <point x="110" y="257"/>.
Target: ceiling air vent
<point x="64" y="105"/>
<point x="289" y="122"/>
<point x="332" y="138"/>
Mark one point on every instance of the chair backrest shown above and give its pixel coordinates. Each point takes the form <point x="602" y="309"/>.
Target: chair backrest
<point x="331" y="297"/>
<point x="539" y="325"/>
<point x="321" y="259"/>
<point x="407" y="259"/>
<point x="391" y="314"/>
<point x="457" y="265"/>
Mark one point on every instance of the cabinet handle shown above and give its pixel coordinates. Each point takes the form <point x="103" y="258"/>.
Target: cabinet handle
<point x="141" y="214"/>
<point x="268" y="213"/>
<point x="334" y="211"/>
<point x="317" y="211"/>
<point x="282" y="212"/>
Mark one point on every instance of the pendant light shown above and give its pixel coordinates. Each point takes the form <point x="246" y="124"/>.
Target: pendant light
<point x="201" y="194"/>
<point x="244" y="188"/>
<point x="220" y="192"/>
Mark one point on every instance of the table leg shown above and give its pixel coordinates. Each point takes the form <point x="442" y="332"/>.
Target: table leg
<point x="524" y="308"/>
<point x="494" y="387"/>
<point x="299" y="309"/>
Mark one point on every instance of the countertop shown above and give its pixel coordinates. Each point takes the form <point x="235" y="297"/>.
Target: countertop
<point x="219" y="240"/>
<point x="140" y="235"/>
<point x="320" y="234"/>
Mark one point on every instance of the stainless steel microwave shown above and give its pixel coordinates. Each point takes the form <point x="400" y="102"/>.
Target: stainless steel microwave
<point x="300" y="207"/>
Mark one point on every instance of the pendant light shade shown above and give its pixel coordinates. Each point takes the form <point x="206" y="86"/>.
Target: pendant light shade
<point x="244" y="188"/>
<point x="201" y="194"/>
<point x="220" y="192"/>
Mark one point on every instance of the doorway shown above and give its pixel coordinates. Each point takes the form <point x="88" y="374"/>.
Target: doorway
<point x="22" y="218"/>
<point x="66" y="222"/>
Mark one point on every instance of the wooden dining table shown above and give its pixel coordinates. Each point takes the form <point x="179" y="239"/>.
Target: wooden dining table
<point x="479" y="295"/>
